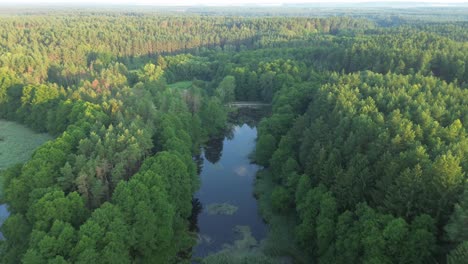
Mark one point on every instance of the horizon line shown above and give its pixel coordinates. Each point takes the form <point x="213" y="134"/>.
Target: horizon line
<point x="273" y="4"/>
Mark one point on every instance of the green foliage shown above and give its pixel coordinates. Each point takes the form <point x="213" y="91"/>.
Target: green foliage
<point x="226" y="88"/>
<point x="17" y="230"/>
<point x="53" y="246"/>
<point x="151" y="72"/>
<point x="55" y="206"/>
<point x="265" y="147"/>
<point x="456" y="228"/>
<point x="366" y="146"/>
<point x="459" y="255"/>
<point x="279" y="242"/>
<point x="280" y="199"/>
<point x="149" y="215"/>
<point x="376" y="139"/>
<point x="110" y="147"/>
<point x="213" y="116"/>
<point x="103" y="238"/>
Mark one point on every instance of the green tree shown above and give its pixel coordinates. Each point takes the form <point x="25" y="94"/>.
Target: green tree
<point x="265" y="148"/>
<point x="103" y="238"/>
<point x="226" y="88"/>
<point x="213" y="116"/>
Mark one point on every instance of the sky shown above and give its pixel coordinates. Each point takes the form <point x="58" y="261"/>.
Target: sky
<point x="209" y="2"/>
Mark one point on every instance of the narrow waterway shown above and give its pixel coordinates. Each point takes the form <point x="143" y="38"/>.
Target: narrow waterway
<point x="226" y="194"/>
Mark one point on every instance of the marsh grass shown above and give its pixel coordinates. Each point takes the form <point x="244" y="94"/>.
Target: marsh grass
<point x="221" y="209"/>
<point x="17" y="143"/>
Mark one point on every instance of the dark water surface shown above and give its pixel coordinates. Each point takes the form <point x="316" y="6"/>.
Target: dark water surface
<point x="228" y="178"/>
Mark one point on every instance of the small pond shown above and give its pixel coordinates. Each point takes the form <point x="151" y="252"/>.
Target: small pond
<point x="226" y="193"/>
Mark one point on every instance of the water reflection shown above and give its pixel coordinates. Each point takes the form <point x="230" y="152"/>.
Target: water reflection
<point x="196" y="210"/>
<point x="214" y="149"/>
<point x="3" y="216"/>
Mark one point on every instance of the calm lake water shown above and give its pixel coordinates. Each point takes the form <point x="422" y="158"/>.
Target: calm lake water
<point x="227" y="176"/>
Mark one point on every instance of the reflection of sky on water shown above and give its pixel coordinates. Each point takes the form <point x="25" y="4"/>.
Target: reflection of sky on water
<point x="230" y="180"/>
<point x="241" y="171"/>
<point x="3" y="215"/>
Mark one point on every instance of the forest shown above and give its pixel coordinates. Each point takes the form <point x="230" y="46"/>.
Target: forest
<point x="364" y="154"/>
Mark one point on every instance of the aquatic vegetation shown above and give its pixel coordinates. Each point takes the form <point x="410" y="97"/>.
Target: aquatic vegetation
<point x="246" y="249"/>
<point x="246" y="241"/>
<point x="221" y="209"/>
<point x="17" y="143"/>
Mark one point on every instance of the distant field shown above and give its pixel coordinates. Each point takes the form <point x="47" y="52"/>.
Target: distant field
<point x="181" y="85"/>
<point x="17" y="143"/>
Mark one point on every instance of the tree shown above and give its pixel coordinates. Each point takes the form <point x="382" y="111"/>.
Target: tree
<point x="151" y="72"/>
<point x="280" y="199"/>
<point x="149" y="215"/>
<point x="53" y="246"/>
<point x="103" y="238"/>
<point x="457" y="227"/>
<point x="265" y="147"/>
<point x="226" y="89"/>
<point x="55" y="206"/>
<point x="213" y="116"/>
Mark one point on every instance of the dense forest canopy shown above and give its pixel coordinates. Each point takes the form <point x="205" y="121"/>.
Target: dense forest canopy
<point x="365" y="152"/>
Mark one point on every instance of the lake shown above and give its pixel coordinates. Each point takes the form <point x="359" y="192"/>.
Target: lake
<point x="226" y="193"/>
